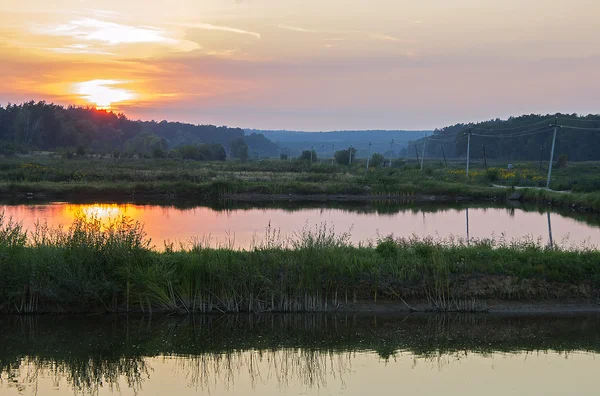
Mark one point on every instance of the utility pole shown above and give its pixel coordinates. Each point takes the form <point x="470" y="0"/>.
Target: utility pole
<point x="541" y="155"/>
<point x="350" y="156"/>
<point x="417" y="153"/>
<point x="484" y="157"/>
<point x="368" y="155"/>
<point x="552" y="152"/>
<point x="468" y="236"/>
<point x="468" y="151"/>
<point x="391" y="151"/>
<point x="332" y="152"/>
<point x="444" y="154"/>
<point x="551" y="239"/>
<point x="423" y="156"/>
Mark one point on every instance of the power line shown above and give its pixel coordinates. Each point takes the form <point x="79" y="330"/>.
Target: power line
<point x="454" y="137"/>
<point x="534" y="131"/>
<point x="513" y="128"/>
<point x="579" y="128"/>
<point x="441" y="140"/>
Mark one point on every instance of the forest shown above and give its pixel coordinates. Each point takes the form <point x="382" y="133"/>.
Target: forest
<point x="526" y="138"/>
<point x="44" y="126"/>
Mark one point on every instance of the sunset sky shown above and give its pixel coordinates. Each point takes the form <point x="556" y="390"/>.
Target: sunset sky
<point x="310" y="64"/>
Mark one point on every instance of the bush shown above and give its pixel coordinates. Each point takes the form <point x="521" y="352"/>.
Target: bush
<point x="309" y="155"/>
<point x="398" y="163"/>
<point x="158" y="153"/>
<point x="492" y="174"/>
<point x="342" y="157"/>
<point x="562" y="161"/>
<point x="376" y="160"/>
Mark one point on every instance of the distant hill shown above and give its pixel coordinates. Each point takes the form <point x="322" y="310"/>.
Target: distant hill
<point x="527" y="137"/>
<point x="324" y="143"/>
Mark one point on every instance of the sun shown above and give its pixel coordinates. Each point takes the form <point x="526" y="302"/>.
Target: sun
<point x="103" y="93"/>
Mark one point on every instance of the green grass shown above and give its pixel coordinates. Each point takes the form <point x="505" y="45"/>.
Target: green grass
<point x="93" y="268"/>
<point x="56" y="178"/>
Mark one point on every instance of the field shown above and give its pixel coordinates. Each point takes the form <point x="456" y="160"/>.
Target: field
<point x="51" y="177"/>
<point x="95" y="268"/>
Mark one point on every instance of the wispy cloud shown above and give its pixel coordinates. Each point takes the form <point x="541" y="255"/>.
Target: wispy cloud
<point x="297" y="29"/>
<point x="208" y="26"/>
<point x="80" y="49"/>
<point x="102" y="13"/>
<point x="382" y="37"/>
<point x="110" y="34"/>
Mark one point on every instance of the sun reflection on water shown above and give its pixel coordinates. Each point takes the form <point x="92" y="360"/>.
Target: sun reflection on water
<point x="101" y="211"/>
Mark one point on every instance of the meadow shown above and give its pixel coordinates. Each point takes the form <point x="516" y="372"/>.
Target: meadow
<point x="52" y="177"/>
<point x="89" y="267"/>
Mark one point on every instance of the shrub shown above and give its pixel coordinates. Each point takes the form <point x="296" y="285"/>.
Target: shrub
<point x="562" y="161"/>
<point x="376" y="160"/>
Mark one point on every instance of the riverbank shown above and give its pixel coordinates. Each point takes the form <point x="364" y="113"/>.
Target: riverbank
<point x="260" y="193"/>
<point x="169" y="180"/>
<point x="93" y="268"/>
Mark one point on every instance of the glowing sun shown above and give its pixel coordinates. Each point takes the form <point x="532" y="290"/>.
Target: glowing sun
<point x="103" y="93"/>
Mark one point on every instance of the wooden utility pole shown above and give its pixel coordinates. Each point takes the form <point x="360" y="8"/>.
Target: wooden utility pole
<point x="468" y="151"/>
<point x="552" y="152"/>
<point x="423" y="156"/>
<point x="484" y="157"/>
<point x="444" y="154"/>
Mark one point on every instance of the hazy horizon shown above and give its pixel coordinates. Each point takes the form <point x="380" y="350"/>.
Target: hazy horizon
<point x="309" y="66"/>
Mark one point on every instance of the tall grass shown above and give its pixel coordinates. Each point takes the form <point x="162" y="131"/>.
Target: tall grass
<point x="90" y="267"/>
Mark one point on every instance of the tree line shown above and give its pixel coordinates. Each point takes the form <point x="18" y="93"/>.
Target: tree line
<point x="46" y="126"/>
<point x="528" y="137"/>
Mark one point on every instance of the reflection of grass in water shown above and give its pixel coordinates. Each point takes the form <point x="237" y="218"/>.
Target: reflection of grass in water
<point x="306" y="349"/>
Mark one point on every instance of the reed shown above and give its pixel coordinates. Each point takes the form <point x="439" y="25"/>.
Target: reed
<point x="90" y="267"/>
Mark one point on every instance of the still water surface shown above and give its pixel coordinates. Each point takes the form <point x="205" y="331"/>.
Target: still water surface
<point x="310" y="354"/>
<point x="247" y="226"/>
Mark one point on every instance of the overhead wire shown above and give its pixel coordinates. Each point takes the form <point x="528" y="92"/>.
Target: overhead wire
<point x="579" y="128"/>
<point x="513" y="128"/>
<point x="534" y="131"/>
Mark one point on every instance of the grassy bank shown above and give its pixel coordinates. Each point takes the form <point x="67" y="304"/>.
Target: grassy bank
<point x="91" y="268"/>
<point x="49" y="177"/>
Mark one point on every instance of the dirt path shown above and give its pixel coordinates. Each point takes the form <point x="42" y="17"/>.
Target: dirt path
<point x="532" y="188"/>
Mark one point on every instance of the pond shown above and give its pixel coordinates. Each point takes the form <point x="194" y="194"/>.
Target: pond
<point x="244" y="227"/>
<point x="309" y="354"/>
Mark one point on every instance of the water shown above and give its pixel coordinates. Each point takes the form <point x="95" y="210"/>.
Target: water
<point x="308" y="354"/>
<point x="244" y="227"/>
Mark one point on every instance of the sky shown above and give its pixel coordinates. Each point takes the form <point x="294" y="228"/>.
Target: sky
<point x="305" y="64"/>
